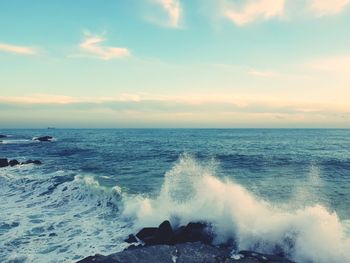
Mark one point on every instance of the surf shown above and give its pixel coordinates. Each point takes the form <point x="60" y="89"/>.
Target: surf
<point x="192" y="192"/>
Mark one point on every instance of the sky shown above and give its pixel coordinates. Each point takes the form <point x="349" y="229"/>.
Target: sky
<point x="175" y="63"/>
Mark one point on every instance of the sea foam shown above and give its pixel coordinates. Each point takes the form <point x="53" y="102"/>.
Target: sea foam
<point x="192" y="192"/>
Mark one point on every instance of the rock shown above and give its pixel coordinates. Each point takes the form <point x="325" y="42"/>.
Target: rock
<point x="130" y="239"/>
<point x="193" y="232"/>
<point x="147" y="234"/>
<point x="156" y="236"/>
<point x="165" y="235"/>
<point x="52" y="235"/>
<point x="182" y="253"/>
<point x="3" y="162"/>
<point x="13" y="162"/>
<point x="43" y="138"/>
<point x="32" y="161"/>
<point x="3" y="136"/>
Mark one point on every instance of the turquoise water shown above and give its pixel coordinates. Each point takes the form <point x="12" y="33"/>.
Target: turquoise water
<point x="258" y="186"/>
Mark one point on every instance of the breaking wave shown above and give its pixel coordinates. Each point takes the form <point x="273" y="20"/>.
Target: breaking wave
<point x="192" y="192"/>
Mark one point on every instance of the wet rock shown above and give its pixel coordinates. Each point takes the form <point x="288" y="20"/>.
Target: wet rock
<point x="32" y="161"/>
<point x="131" y="239"/>
<point x="43" y="138"/>
<point x="147" y="234"/>
<point x="3" y="136"/>
<point x="193" y="232"/>
<point x="4" y="162"/>
<point x="13" y="162"/>
<point x="188" y="252"/>
<point x="165" y="234"/>
<point x="155" y="236"/>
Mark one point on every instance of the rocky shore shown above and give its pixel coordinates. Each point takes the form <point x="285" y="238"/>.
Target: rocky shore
<point x="190" y="243"/>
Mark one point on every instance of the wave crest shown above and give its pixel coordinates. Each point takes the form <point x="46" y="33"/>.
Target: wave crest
<point x="192" y="192"/>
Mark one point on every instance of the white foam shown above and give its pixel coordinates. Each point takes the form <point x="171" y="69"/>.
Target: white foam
<point x="79" y="212"/>
<point x="191" y="192"/>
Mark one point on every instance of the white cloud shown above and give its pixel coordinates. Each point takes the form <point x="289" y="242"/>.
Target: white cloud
<point x="173" y="9"/>
<point x="93" y="45"/>
<point x="328" y="7"/>
<point x="254" y="10"/>
<point x="21" y="50"/>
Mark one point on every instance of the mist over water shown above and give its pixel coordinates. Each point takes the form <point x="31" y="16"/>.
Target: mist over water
<point x="273" y="191"/>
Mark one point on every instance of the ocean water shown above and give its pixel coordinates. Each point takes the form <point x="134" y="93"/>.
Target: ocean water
<point x="271" y="190"/>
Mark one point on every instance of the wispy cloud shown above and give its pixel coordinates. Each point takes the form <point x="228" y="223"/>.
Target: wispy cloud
<point x="135" y="110"/>
<point x="339" y="64"/>
<point x="38" y="99"/>
<point x="173" y="9"/>
<point x="262" y="73"/>
<point x="328" y="7"/>
<point x="253" y="10"/>
<point x="93" y="45"/>
<point x="20" y="50"/>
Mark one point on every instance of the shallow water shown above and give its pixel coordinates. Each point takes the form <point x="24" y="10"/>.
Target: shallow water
<point x="270" y="190"/>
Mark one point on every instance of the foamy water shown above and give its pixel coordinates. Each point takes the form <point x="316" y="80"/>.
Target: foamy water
<point x="191" y="192"/>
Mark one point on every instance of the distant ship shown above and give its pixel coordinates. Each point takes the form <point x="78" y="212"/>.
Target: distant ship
<point x="51" y="128"/>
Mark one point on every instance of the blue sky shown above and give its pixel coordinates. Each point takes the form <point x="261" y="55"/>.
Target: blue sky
<point x="174" y="63"/>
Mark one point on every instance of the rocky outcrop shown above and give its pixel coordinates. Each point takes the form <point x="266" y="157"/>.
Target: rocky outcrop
<point x="13" y="162"/>
<point x="4" y="162"/>
<point x="164" y="234"/>
<point x="37" y="162"/>
<point x="43" y="138"/>
<point x="190" y="243"/>
<point x="196" y="252"/>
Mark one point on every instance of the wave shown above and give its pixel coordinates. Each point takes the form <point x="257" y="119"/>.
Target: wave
<point x="192" y="192"/>
<point x="17" y="141"/>
<point x="65" y="216"/>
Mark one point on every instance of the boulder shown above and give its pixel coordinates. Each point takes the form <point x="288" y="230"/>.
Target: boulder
<point x="43" y="138"/>
<point x="157" y="235"/>
<point x="13" y="162"/>
<point x="32" y="161"/>
<point x="193" y="232"/>
<point x="3" y="136"/>
<point x="165" y="235"/>
<point x="147" y="234"/>
<point x="3" y="162"/>
<point x="130" y="239"/>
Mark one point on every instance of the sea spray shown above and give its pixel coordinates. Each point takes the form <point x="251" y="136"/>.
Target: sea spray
<point x="192" y="192"/>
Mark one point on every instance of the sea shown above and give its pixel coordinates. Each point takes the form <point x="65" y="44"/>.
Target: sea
<point x="268" y="190"/>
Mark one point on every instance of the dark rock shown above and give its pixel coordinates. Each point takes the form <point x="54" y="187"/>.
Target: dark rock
<point x="32" y="161"/>
<point x="182" y="253"/>
<point x="52" y="235"/>
<point x="130" y="239"/>
<point x="147" y="234"/>
<point x="193" y="232"/>
<point x="3" y="136"/>
<point x="13" y="162"/>
<point x="156" y="236"/>
<point x="4" y="162"/>
<point x="43" y="138"/>
<point x="164" y="234"/>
